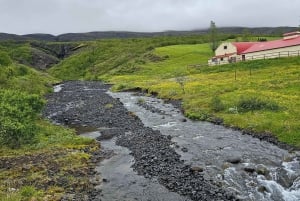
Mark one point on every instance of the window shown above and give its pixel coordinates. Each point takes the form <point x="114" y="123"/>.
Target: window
<point x="222" y="59"/>
<point x="225" y="47"/>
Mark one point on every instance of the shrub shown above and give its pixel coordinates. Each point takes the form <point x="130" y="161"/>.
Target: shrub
<point x="4" y="59"/>
<point x="252" y="103"/>
<point x="30" y="193"/>
<point x="216" y="104"/>
<point x="18" y="113"/>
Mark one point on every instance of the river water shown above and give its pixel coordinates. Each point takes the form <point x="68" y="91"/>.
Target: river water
<point x="255" y="169"/>
<point x="120" y="182"/>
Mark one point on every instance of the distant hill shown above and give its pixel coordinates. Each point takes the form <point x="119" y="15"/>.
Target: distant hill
<point x="123" y="34"/>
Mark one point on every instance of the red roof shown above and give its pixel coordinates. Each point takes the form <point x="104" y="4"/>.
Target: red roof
<point x="243" y="48"/>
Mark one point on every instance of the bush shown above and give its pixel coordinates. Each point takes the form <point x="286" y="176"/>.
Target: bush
<point x="18" y="113"/>
<point x="252" y="103"/>
<point x="216" y="104"/>
<point x="4" y="59"/>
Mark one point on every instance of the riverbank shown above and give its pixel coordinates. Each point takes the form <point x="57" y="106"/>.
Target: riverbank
<point x="254" y="169"/>
<point x="87" y="104"/>
<point x="264" y="136"/>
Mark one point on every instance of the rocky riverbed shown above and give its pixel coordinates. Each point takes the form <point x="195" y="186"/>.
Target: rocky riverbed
<point x="87" y="105"/>
<point x="151" y="149"/>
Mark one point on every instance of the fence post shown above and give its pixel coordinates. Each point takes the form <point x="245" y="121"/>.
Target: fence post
<point x="235" y="73"/>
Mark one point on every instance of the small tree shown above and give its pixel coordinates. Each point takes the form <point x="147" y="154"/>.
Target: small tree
<point x="214" y="38"/>
<point x="246" y="35"/>
<point x="181" y="80"/>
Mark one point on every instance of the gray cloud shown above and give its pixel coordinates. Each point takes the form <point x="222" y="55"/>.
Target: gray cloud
<point x="61" y="16"/>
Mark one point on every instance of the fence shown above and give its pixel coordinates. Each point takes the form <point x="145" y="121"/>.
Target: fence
<point x="271" y="55"/>
<point x="239" y="58"/>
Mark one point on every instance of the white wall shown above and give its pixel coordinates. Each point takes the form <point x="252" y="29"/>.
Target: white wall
<point x="275" y="53"/>
<point x="230" y="49"/>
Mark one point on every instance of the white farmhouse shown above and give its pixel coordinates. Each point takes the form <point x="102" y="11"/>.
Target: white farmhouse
<point x="231" y="52"/>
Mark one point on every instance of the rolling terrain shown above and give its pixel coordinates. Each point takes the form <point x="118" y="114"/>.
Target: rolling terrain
<point x="124" y="34"/>
<point x="261" y="98"/>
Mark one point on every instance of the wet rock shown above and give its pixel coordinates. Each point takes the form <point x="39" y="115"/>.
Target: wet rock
<point x="184" y="149"/>
<point x="197" y="169"/>
<point x="216" y="120"/>
<point x="262" y="170"/>
<point x="105" y="180"/>
<point x="285" y="179"/>
<point x="226" y="165"/>
<point x="262" y="189"/>
<point x="109" y="134"/>
<point x="183" y="120"/>
<point x="234" y="159"/>
<point x="249" y="168"/>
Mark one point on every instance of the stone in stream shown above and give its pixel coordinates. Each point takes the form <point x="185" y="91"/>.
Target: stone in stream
<point x="197" y="169"/>
<point x="184" y="149"/>
<point x="262" y="170"/>
<point x="234" y="159"/>
<point x="183" y="120"/>
<point x="249" y="168"/>
<point x="226" y="165"/>
<point x="285" y="178"/>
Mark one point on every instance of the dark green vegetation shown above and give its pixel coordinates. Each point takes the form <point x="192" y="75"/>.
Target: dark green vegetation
<point x="19" y="112"/>
<point x="31" y="147"/>
<point x="121" y="34"/>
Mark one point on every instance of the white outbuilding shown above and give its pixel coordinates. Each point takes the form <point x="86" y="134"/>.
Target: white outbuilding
<point x="231" y="52"/>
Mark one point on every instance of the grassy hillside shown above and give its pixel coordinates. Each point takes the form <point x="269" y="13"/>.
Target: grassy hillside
<point x="115" y="57"/>
<point x="31" y="147"/>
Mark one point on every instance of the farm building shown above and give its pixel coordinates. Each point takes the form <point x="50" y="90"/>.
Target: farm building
<point x="231" y="52"/>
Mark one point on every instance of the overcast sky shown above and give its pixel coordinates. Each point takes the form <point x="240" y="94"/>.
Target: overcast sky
<point x="63" y="16"/>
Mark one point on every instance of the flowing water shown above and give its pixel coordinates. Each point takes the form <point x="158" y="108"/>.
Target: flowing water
<point x="255" y="169"/>
<point x="120" y="182"/>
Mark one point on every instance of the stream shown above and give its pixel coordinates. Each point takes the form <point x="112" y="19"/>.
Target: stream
<point x="121" y="182"/>
<point x="254" y="169"/>
<point x="201" y="158"/>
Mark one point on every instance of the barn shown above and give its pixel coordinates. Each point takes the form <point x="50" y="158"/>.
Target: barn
<point x="231" y="52"/>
